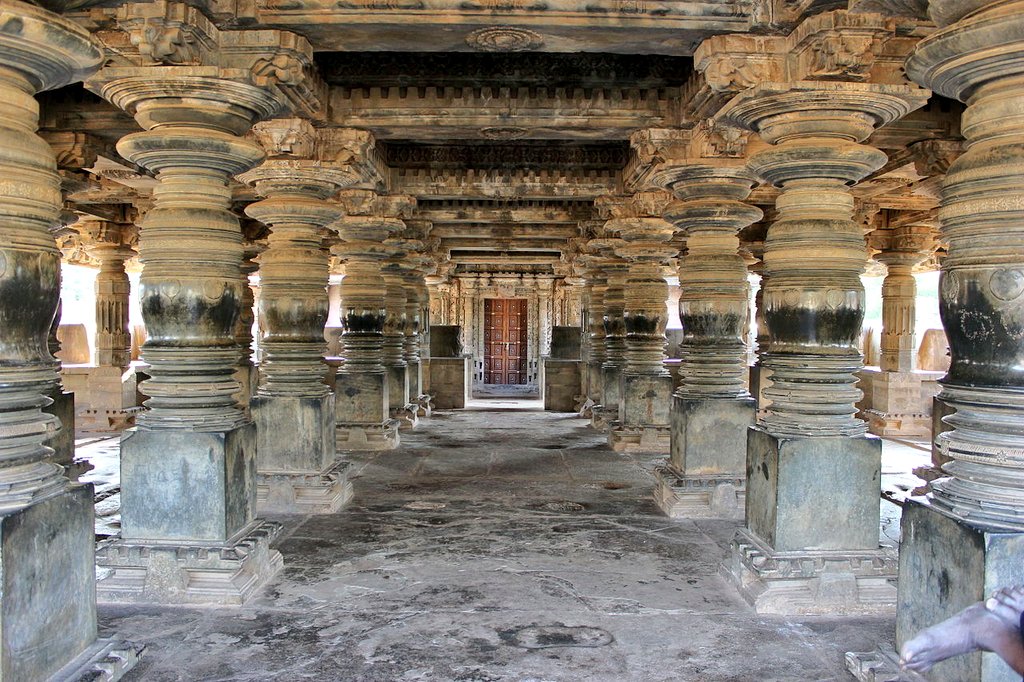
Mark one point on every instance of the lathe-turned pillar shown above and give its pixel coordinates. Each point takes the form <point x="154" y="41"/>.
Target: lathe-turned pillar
<point x="362" y="390"/>
<point x="297" y="469"/>
<point x="646" y="385"/>
<point x="189" y="531"/>
<point x="48" y="601"/>
<point x="967" y="537"/>
<point x="899" y="406"/>
<point x="606" y="413"/>
<point x="113" y="293"/>
<point x="711" y="408"/>
<point x="812" y="511"/>
<point x="596" y="285"/>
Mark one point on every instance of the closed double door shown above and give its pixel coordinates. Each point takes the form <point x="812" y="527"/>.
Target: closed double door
<point x="505" y="341"/>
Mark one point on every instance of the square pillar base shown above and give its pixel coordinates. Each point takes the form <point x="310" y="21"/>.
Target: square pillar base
<point x="945" y="566"/>
<point x="361" y="411"/>
<point x="48" y="610"/>
<point x="294" y="434"/>
<point x="820" y="492"/>
<point x="186" y="573"/>
<point x="643" y="414"/>
<point x="383" y="436"/>
<point x="812" y="582"/>
<point x="63" y="442"/>
<point x="681" y="496"/>
<point x="322" y="492"/>
<point x="398" y="388"/>
<point x="709" y="436"/>
<point x="450" y="381"/>
<point x="561" y="385"/>
<point x="185" y="487"/>
<point x="604" y="418"/>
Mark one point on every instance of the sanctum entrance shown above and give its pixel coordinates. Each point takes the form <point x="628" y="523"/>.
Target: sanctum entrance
<point x="505" y="341"/>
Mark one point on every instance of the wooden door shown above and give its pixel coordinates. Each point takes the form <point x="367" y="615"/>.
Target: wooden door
<point x="505" y="341"/>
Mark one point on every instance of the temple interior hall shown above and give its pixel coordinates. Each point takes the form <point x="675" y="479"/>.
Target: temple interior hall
<point x="490" y="340"/>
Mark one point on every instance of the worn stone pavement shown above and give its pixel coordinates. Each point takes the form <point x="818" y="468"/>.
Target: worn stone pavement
<point x="492" y="546"/>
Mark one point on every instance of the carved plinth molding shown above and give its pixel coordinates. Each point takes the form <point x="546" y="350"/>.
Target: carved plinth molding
<point x="680" y="496"/>
<point x="976" y="57"/>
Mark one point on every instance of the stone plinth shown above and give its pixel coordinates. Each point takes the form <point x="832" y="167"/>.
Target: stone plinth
<point x="946" y="565"/>
<point x="606" y="413"/>
<point x="398" y="388"/>
<point x="644" y="414"/>
<point x="709" y="451"/>
<point x="445" y="341"/>
<point x="207" y="551"/>
<point x="104" y="396"/>
<point x="898" y="404"/>
<point x="565" y="343"/>
<point x="361" y="409"/>
<point x="561" y="384"/>
<point x="295" y="460"/>
<point x="449" y="382"/>
<point x="811" y="539"/>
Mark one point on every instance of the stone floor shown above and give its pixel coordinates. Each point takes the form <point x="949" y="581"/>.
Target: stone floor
<point x="502" y="545"/>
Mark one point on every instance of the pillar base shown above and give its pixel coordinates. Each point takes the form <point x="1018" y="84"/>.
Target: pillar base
<point x="107" y="659"/>
<point x="63" y="442"/>
<point x="383" y="436"/>
<point x="945" y="566"/>
<point x="654" y="439"/>
<point x="408" y="417"/>
<point x="561" y="385"/>
<point x="187" y="487"/>
<point x="304" y="492"/>
<point x="294" y="434"/>
<point x="424" y="405"/>
<point x="681" y="496"/>
<point x="709" y="436"/>
<point x="820" y="492"/>
<point x="812" y="582"/>
<point x="48" y="611"/>
<point x="171" y="573"/>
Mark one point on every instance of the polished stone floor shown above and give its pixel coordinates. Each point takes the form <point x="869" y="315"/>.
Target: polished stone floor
<point x="494" y="545"/>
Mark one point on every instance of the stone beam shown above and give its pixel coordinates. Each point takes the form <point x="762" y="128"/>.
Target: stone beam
<point x="504" y="231"/>
<point x="472" y="184"/>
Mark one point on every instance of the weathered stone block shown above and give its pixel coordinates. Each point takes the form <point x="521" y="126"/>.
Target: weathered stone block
<point x="48" y="610"/>
<point x="819" y="493"/>
<point x="561" y="384"/>
<point x="646" y="400"/>
<point x="565" y="343"/>
<point x="709" y="437"/>
<point x="187" y="485"/>
<point x="361" y="399"/>
<point x="322" y="492"/>
<point x="398" y="387"/>
<point x="294" y="434"/>
<point x="445" y="341"/>
<point x="449" y="382"/>
<point x="946" y="565"/>
<point x="680" y="496"/>
<point x="611" y="387"/>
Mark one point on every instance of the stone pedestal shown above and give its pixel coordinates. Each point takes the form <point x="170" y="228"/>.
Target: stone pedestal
<point x="450" y="382"/>
<point x="606" y="413"/>
<point x="561" y="384"/>
<point x="295" y="456"/>
<point x="398" y="388"/>
<point x="811" y="539"/>
<point x="704" y="476"/>
<point x="643" y="424"/>
<point x="900" y="403"/>
<point x="207" y="551"/>
<point x="946" y="565"/>
<point x="361" y="410"/>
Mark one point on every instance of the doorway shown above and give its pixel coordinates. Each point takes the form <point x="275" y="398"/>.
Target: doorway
<point x="505" y="338"/>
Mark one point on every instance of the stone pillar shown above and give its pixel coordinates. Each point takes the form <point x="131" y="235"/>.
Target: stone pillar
<point x="393" y="347"/>
<point x="899" y="406"/>
<point x="297" y="470"/>
<point x="113" y="293"/>
<point x="810" y="446"/>
<point x="362" y="393"/>
<point x="606" y="412"/>
<point x="189" y="531"/>
<point x="48" y="603"/>
<point x="967" y="537"/>
<point x="711" y="409"/>
<point x="645" y="384"/>
<point x="597" y="285"/>
<point x="416" y="310"/>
